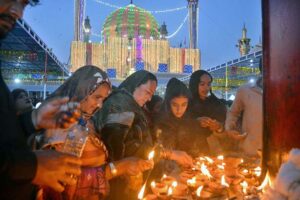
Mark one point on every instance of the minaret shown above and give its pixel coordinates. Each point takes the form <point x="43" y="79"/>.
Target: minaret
<point x="87" y="30"/>
<point x="79" y="9"/>
<point x="193" y="23"/>
<point x="163" y="31"/>
<point x="244" y="42"/>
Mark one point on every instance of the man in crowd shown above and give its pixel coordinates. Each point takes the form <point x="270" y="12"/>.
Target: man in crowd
<point x="21" y="168"/>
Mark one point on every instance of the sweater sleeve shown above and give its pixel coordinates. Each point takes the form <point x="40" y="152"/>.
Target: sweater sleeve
<point x="235" y="111"/>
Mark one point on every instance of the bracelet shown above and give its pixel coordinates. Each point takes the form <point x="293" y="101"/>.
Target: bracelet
<point x="113" y="169"/>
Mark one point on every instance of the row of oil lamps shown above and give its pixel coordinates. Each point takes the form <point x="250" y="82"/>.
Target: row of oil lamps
<point x="210" y="178"/>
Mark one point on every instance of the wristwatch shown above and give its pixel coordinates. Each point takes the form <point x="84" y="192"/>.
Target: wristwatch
<point x="113" y="169"/>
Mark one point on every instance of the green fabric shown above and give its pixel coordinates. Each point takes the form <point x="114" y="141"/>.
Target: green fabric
<point x="129" y="24"/>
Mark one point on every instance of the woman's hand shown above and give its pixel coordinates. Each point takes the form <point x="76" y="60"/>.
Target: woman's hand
<point x="56" y="113"/>
<point x="210" y="123"/>
<point x="181" y="157"/>
<point x="56" y="169"/>
<point x="132" y="166"/>
<point x="236" y="135"/>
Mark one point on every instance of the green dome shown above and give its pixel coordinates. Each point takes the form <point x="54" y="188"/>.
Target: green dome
<point x="130" y="21"/>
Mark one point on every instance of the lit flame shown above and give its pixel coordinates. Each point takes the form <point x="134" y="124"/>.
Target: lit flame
<point x="221" y="167"/>
<point x="164" y="176"/>
<point x="267" y="181"/>
<point x="174" y="184"/>
<point x="141" y="193"/>
<point x="199" y="190"/>
<point x="223" y="181"/>
<point x="244" y="185"/>
<point x="191" y="182"/>
<point x="170" y="191"/>
<point x="257" y="171"/>
<point x="209" y="159"/>
<point x="242" y="160"/>
<point x="205" y="171"/>
<point x="221" y="157"/>
<point x="151" y="155"/>
<point x="153" y="184"/>
<point x="245" y="171"/>
<point x="201" y="158"/>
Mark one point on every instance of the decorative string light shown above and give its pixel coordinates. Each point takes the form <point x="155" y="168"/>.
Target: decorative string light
<point x="179" y="27"/>
<point x="154" y="11"/>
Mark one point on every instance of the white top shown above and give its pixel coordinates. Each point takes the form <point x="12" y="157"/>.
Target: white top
<point x="248" y="105"/>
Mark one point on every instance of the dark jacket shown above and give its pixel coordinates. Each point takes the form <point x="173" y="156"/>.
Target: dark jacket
<point x="17" y="162"/>
<point x="210" y="107"/>
<point x="125" y="131"/>
<point x="124" y="126"/>
<point x="183" y="134"/>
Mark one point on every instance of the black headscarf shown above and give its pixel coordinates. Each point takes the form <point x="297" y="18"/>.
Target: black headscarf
<point x="175" y="88"/>
<point x="154" y="100"/>
<point x="194" y="82"/>
<point x="16" y="92"/>
<point x="82" y="83"/>
<point x="211" y="107"/>
<point x="136" y="79"/>
<point x="180" y="133"/>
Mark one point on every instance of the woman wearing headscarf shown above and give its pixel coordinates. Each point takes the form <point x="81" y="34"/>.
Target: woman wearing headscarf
<point x="179" y="131"/>
<point x="126" y="132"/>
<point x="206" y="107"/>
<point x="21" y="100"/>
<point x="89" y="85"/>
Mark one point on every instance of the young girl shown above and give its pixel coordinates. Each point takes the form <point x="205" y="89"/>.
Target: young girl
<point x="179" y="131"/>
<point x="209" y="110"/>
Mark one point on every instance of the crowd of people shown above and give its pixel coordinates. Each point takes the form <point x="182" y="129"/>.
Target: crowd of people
<point x="124" y="125"/>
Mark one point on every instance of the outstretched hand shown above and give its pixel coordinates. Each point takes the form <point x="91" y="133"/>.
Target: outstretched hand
<point x="210" y="123"/>
<point x="132" y="166"/>
<point x="56" y="169"/>
<point x="182" y="158"/>
<point x="236" y="135"/>
<point x="56" y="113"/>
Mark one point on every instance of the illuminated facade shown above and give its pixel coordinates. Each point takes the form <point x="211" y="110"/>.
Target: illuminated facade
<point x="132" y="40"/>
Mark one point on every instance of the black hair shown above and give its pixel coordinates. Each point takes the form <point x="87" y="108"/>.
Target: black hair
<point x="136" y="79"/>
<point x="16" y="92"/>
<point x="154" y="100"/>
<point x="195" y="80"/>
<point x="175" y="88"/>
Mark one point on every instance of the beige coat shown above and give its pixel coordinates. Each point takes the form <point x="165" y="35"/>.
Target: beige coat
<point x="248" y="105"/>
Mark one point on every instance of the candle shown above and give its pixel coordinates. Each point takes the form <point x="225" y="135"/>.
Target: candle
<point x="141" y="193"/>
<point x="205" y="171"/>
<point x="159" y="188"/>
<point x="170" y="192"/>
<point x="199" y="190"/>
<point x="244" y="185"/>
<point x="168" y="180"/>
<point x="221" y="157"/>
<point x="223" y="181"/>
<point x="151" y="155"/>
